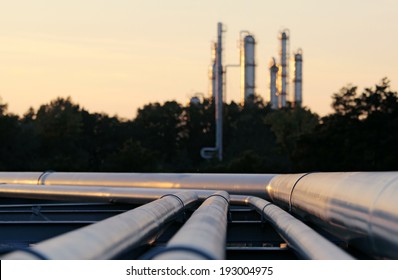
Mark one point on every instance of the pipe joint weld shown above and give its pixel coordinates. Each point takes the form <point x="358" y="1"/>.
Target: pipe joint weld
<point x="295" y="184"/>
<point x="219" y="196"/>
<point x="42" y="178"/>
<point x="263" y="218"/>
<point x="176" y="197"/>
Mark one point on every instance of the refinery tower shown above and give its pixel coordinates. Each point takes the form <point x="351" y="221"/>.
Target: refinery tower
<point x="279" y="75"/>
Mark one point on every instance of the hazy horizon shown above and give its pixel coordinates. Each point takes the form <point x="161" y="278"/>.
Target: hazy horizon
<point x="115" y="57"/>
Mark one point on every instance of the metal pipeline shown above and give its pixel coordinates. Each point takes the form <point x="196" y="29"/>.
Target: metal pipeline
<point x="360" y="208"/>
<point x="298" y="236"/>
<point x="306" y="242"/>
<point x="90" y="193"/>
<point x="249" y="184"/>
<point x="203" y="236"/>
<point x="108" y="238"/>
<point x="31" y="178"/>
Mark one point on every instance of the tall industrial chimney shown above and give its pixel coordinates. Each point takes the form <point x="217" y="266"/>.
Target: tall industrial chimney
<point x="247" y="64"/>
<point x="284" y="62"/>
<point x="298" y="78"/>
<point x="273" y="69"/>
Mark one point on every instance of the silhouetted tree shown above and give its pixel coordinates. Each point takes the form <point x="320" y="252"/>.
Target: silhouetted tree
<point x="59" y="127"/>
<point x="197" y="127"/>
<point x="289" y="125"/>
<point x="248" y="136"/>
<point x="9" y="131"/>
<point x="131" y="157"/>
<point x="360" y="135"/>
<point x="103" y="136"/>
<point x="159" y="128"/>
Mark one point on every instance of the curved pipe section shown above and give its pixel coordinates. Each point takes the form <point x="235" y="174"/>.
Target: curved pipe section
<point x="358" y="207"/>
<point x="108" y="238"/>
<point x="306" y="242"/>
<point x="205" y="232"/>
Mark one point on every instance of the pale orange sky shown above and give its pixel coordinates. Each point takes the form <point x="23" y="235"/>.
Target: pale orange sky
<point x="116" y="56"/>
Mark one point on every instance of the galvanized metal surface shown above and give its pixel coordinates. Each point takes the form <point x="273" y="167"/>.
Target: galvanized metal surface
<point x="249" y="184"/>
<point x="359" y="207"/>
<point x="258" y="240"/>
<point x="83" y="193"/>
<point x="305" y="241"/>
<point x="205" y="232"/>
<point x="31" y="178"/>
<point x="108" y="238"/>
<point x="283" y="222"/>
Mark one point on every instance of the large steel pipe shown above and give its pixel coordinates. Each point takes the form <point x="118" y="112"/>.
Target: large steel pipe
<point x="306" y="242"/>
<point x="108" y="238"/>
<point x="290" y="228"/>
<point x="203" y="236"/>
<point x="90" y="193"/>
<point x="361" y="207"/>
<point x="250" y="184"/>
<point x="31" y="178"/>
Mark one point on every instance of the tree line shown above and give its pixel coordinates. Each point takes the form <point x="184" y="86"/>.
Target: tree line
<point x="360" y="134"/>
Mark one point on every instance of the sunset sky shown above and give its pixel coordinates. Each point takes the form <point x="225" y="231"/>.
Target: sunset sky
<point x="115" y="56"/>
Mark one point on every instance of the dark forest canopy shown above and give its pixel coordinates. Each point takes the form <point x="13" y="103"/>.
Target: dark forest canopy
<point x="361" y="134"/>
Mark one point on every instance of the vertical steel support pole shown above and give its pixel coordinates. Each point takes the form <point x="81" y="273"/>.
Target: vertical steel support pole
<point x="219" y="94"/>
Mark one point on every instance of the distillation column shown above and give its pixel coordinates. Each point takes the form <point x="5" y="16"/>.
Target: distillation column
<point x="212" y="72"/>
<point x="247" y="65"/>
<point x="273" y="69"/>
<point x="298" y="78"/>
<point x="217" y="71"/>
<point x="284" y="37"/>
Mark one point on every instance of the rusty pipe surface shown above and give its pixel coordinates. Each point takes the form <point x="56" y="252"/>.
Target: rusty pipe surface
<point x="306" y="242"/>
<point x="108" y="238"/>
<point x="358" y="207"/>
<point x="250" y="184"/>
<point x="205" y="232"/>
